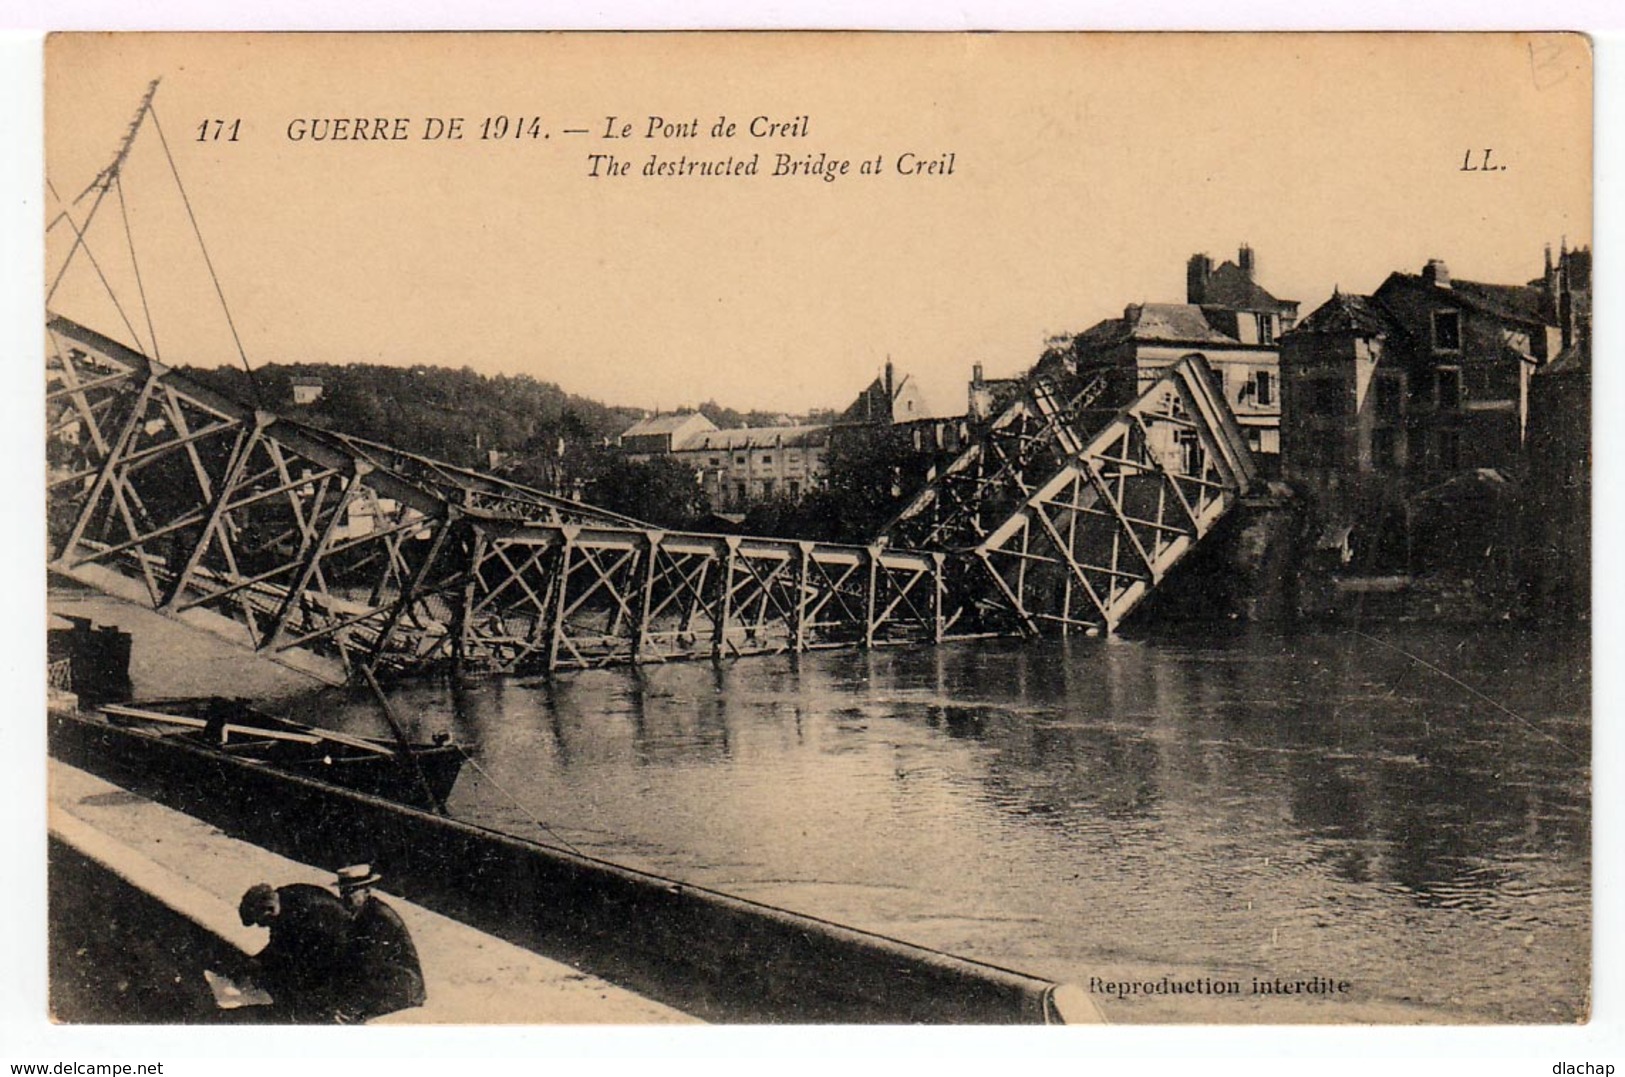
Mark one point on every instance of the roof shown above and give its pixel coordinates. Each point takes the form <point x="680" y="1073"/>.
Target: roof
<point x="1347" y="313"/>
<point x="1519" y="301"/>
<point x="669" y="423"/>
<point x="1466" y="484"/>
<point x="1508" y="302"/>
<point x="872" y="404"/>
<point x="1575" y="359"/>
<point x="1181" y="322"/>
<point x="1166" y="323"/>
<point x="1104" y="334"/>
<point x="1229" y="286"/>
<point x="755" y="437"/>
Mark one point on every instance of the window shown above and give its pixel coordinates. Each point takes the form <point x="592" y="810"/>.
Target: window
<point x="1449" y="387"/>
<point x="1330" y="398"/>
<point x="1266" y="334"/>
<point x="1449" y="449"/>
<point x="795" y="488"/>
<point x="1216" y="376"/>
<point x="716" y="461"/>
<point x="767" y="487"/>
<point x="740" y="459"/>
<point x="1263" y="388"/>
<point x="1384" y="447"/>
<point x="1422" y="388"/>
<point x="767" y="458"/>
<point x="1496" y="382"/>
<point x="1190" y="452"/>
<point x="1388" y="394"/>
<point x="739" y="494"/>
<point x="1447" y="331"/>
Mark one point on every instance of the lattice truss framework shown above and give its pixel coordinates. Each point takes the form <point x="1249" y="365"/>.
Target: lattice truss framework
<point x="1087" y="543"/>
<point x="1069" y="513"/>
<point x="289" y="537"/>
<point x="285" y="537"/>
<point x="1036" y="434"/>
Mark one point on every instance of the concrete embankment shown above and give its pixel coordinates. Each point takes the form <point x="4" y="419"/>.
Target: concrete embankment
<point x="699" y="950"/>
<point x="144" y="898"/>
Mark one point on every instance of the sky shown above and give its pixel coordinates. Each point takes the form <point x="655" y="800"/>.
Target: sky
<point x="1086" y="169"/>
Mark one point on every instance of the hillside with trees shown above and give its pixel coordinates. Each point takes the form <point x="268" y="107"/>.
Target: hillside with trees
<point x="535" y="433"/>
<point x="530" y="431"/>
<point x="454" y="415"/>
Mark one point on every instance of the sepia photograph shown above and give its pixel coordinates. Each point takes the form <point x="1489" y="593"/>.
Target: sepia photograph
<point x="851" y="528"/>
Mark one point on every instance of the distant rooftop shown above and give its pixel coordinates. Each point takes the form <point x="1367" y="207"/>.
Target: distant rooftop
<point x="754" y="437"/>
<point x="1346" y="312"/>
<point x="669" y="423"/>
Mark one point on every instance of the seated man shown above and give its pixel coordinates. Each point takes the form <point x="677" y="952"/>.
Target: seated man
<point x="305" y="966"/>
<point x="383" y="968"/>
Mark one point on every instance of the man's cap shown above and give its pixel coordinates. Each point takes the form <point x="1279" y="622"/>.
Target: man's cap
<point x="258" y="900"/>
<point x="356" y="876"/>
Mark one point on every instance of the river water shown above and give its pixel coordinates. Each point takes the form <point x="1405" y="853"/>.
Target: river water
<point x="1405" y="811"/>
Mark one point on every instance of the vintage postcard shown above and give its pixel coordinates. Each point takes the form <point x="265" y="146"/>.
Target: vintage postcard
<point x="643" y="528"/>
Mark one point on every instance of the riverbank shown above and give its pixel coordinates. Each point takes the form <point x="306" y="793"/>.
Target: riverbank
<point x="143" y="900"/>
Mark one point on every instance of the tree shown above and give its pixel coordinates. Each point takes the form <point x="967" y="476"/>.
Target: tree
<point x="869" y="475"/>
<point x="659" y="490"/>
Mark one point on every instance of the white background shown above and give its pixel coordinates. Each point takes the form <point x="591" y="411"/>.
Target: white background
<point x="26" y="1036"/>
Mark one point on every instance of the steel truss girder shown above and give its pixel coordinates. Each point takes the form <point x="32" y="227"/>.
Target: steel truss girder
<point x="296" y="539"/>
<point x="1088" y="543"/>
<point x="299" y="539"/>
<point x="570" y="596"/>
<point x="1035" y="434"/>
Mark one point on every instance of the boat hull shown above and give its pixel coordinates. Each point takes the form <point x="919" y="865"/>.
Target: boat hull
<point x="83" y="737"/>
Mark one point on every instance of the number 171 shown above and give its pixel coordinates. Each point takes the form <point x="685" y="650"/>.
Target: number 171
<point x="218" y="130"/>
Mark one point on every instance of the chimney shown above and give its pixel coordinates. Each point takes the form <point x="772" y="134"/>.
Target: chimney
<point x="1436" y="273"/>
<point x="1197" y="272"/>
<point x="1244" y="259"/>
<point x="976" y="374"/>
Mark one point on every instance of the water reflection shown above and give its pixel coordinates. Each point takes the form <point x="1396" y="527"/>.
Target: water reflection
<point x="1241" y="802"/>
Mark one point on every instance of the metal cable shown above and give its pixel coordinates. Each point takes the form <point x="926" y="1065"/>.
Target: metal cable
<point x="135" y="264"/>
<point x="253" y="383"/>
<point x="1509" y="712"/>
<point x="78" y="243"/>
<point x="516" y="802"/>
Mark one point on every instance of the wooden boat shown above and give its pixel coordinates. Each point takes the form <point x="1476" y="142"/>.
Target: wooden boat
<point x="421" y="775"/>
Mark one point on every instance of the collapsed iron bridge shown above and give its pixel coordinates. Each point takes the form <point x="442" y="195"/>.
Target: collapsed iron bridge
<point x="296" y="541"/>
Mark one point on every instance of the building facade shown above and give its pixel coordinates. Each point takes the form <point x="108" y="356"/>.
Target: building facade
<point x="1228" y="319"/>
<point x="1425" y="378"/>
<point x="1557" y="539"/>
<point x="657" y="435"/>
<point x="739" y="467"/>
